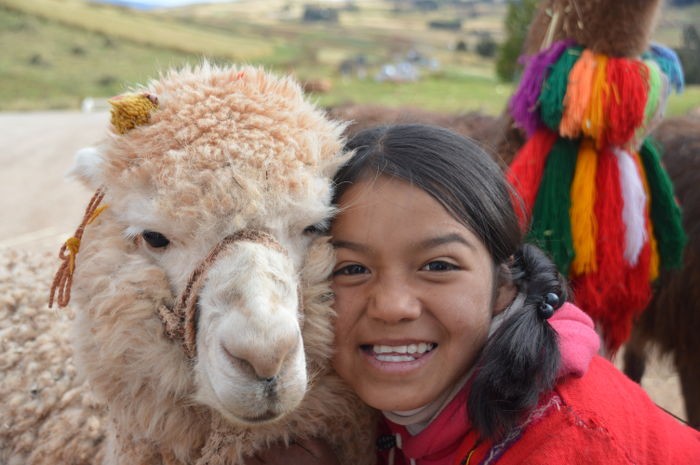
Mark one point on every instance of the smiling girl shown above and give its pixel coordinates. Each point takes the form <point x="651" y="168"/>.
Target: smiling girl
<point x="459" y="333"/>
<point x="445" y="320"/>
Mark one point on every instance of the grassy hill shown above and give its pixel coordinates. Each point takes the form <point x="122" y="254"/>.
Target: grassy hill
<point x="57" y="52"/>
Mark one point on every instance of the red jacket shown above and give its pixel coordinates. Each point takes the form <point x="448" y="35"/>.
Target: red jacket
<point x="600" y="418"/>
<point x="593" y="416"/>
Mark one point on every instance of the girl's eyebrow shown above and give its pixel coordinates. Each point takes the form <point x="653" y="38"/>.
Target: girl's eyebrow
<point x="446" y="239"/>
<point x="423" y="245"/>
<point x="340" y="244"/>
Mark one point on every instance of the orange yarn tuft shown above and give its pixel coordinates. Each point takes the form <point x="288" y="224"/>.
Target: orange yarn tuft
<point x="578" y="95"/>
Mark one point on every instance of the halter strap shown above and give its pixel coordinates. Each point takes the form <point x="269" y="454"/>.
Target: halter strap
<point x="180" y="321"/>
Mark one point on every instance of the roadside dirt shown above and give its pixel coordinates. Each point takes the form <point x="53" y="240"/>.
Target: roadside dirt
<point x="41" y="208"/>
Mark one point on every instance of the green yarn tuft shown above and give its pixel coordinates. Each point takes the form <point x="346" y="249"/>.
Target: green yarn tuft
<point x="551" y="101"/>
<point x="551" y="225"/>
<point x="665" y="214"/>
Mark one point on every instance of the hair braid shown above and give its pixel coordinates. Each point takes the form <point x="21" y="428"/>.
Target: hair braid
<point x="521" y="359"/>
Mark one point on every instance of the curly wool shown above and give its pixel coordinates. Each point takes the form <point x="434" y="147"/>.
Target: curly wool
<point x="48" y="413"/>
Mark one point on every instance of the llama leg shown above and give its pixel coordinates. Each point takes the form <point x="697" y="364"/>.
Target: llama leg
<point x="690" y="386"/>
<point x="635" y="357"/>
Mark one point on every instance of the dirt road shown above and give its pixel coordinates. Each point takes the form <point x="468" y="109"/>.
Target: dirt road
<point x="39" y="204"/>
<point x="40" y="207"/>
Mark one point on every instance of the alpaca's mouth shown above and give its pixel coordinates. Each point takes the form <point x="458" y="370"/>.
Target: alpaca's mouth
<point x="263" y="418"/>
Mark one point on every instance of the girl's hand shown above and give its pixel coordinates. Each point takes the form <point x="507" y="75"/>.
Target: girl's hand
<point x="307" y="452"/>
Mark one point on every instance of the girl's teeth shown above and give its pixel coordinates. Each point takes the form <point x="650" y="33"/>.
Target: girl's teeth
<point x="398" y="351"/>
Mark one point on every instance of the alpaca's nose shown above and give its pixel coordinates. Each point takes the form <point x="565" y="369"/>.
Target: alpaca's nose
<point x="262" y="356"/>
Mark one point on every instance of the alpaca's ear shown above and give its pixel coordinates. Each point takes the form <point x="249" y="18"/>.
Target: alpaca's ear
<point x="87" y="167"/>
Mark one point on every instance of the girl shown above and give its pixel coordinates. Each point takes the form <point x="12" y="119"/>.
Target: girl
<point x="458" y="333"/>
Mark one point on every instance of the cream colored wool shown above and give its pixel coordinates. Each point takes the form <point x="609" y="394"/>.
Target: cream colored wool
<point x="47" y="415"/>
<point x="226" y="149"/>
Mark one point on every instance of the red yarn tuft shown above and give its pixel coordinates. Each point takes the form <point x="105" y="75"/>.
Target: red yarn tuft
<point x="629" y="88"/>
<point x="525" y="172"/>
<point x="600" y="293"/>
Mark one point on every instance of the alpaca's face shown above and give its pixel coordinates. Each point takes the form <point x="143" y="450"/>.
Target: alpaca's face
<point x="250" y="363"/>
<point x="251" y="156"/>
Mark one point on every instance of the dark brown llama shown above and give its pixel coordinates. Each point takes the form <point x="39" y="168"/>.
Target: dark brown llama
<point x="671" y="322"/>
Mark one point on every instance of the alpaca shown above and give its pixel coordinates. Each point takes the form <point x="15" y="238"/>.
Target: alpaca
<point x="203" y="323"/>
<point x="671" y="322"/>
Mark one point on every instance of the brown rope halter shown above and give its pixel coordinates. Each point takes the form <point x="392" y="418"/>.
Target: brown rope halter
<point x="180" y="321"/>
<point x="63" y="279"/>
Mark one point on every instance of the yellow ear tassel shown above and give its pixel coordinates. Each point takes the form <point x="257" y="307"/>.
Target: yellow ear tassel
<point x="131" y="110"/>
<point x="64" y="276"/>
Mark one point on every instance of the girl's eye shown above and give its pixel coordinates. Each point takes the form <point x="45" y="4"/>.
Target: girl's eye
<point x="155" y="239"/>
<point x="350" y="270"/>
<point x="439" y="265"/>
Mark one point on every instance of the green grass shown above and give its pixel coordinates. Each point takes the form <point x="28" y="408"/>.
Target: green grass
<point x="142" y="28"/>
<point x="45" y="65"/>
<point x="56" y="52"/>
<point x="450" y="92"/>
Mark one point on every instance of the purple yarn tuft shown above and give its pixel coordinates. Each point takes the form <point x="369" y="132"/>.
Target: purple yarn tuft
<point x="523" y="104"/>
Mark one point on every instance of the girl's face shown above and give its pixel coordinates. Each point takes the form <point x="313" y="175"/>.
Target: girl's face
<point x="414" y="293"/>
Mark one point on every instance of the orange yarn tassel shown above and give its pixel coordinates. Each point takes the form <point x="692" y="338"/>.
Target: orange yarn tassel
<point x="525" y="172"/>
<point x="578" y="95"/>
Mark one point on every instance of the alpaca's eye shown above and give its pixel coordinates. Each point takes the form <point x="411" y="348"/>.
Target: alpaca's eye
<point x="312" y="230"/>
<point x="155" y="239"/>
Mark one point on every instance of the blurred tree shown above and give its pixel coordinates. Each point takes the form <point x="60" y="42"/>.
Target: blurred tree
<point x="520" y="14"/>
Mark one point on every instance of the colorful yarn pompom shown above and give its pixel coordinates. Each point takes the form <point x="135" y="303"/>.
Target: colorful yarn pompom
<point x="551" y="101"/>
<point x="669" y="63"/>
<point x="523" y="105"/>
<point x="601" y="206"/>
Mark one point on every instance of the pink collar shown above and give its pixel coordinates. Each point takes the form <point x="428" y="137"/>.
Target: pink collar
<point x="437" y="443"/>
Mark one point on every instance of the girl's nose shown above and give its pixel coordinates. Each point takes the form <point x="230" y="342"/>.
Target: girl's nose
<point x="393" y="301"/>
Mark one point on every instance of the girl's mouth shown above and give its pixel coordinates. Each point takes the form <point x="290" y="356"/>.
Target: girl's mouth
<point x="399" y="353"/>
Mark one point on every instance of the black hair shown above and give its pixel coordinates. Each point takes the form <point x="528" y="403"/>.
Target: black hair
<point x="520" y="360"/>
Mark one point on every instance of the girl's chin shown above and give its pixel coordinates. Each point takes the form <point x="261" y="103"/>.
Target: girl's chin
<point x="393" y="399"/>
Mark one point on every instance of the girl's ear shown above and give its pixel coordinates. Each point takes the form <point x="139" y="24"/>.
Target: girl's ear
<point x="505" y="289"/>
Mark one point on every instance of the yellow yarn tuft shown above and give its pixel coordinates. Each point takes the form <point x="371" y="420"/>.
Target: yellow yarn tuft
<point x="96" y="213"/>
<point x="73" y="246"/>
<point x="131" y="110"/>
<point x="584" y="227"/>
<point x="594" y="119"/>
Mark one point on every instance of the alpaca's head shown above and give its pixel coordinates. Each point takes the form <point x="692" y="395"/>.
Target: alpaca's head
<point x="233" y="161"/>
